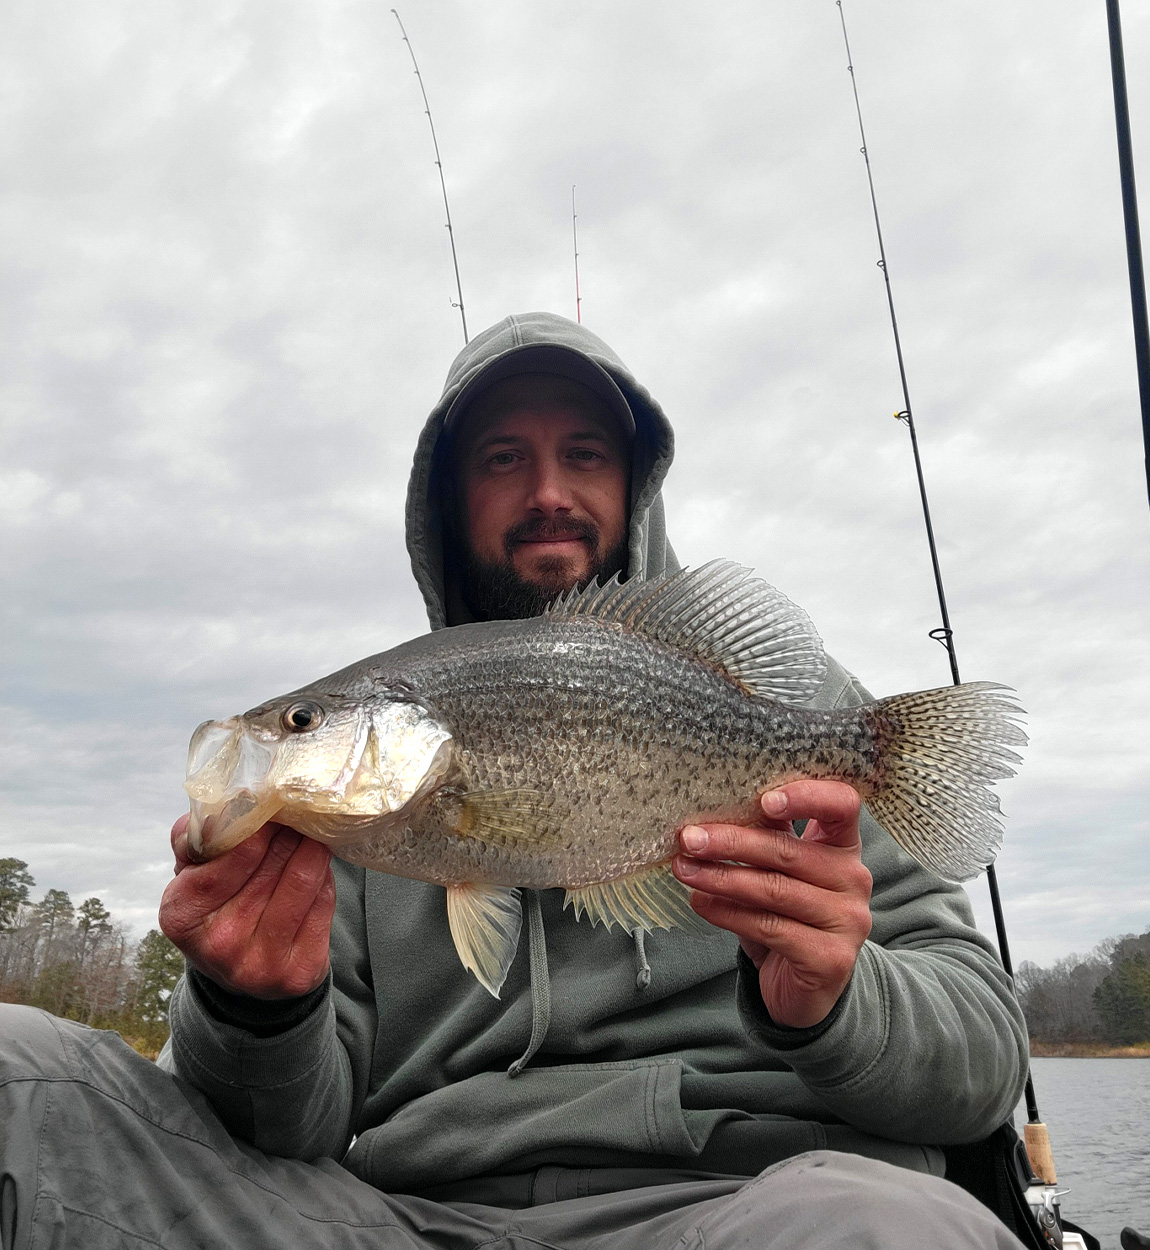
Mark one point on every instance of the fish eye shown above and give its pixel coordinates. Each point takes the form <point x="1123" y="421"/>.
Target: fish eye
<point x="301" y="717"/>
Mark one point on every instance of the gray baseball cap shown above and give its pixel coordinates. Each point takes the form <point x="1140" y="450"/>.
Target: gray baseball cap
<point x="543" y="358"/>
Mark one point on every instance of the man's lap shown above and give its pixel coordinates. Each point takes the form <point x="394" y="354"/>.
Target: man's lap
<point x="98" y="1147"/>
<point x="107" y="1141"/>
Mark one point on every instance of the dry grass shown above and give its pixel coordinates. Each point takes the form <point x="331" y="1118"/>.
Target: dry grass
<point x="1087" y="1050"/>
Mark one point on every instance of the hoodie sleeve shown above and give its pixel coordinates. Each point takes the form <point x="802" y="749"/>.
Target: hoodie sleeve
<point x="294" y="1093"/>
<point x="927" y="1043"/>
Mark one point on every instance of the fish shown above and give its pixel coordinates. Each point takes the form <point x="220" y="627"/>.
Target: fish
<point x="568" y="750"/>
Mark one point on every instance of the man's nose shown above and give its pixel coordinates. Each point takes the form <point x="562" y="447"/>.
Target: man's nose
<point x="550" y="492"/>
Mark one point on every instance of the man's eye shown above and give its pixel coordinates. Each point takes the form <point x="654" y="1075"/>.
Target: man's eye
<point x="585" y="454"/>
<point x="501" y="459"/>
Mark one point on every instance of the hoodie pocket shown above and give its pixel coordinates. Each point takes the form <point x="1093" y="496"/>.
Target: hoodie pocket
<point x="568" y="1113"/>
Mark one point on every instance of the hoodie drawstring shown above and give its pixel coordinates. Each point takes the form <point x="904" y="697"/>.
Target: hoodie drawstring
<point x="541" y="977"/>
<point x="540" y="982"/>
<point x="642" y="967"/>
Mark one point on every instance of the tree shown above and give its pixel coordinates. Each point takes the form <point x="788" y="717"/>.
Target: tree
<point x="1123" y="947"/>
<point x="55" y="912"/>
<point x="92" y="921"/>
<point x="108" y="983"/>
<point x="93" y="914"/>
<point x="15" y="882"/>
<point x="79" y="963"/>
<point x="1123" y="999"/>
<point x="58" y="989"/>
<point x="159" y="966"/>
<point x="1058" y="1002"/>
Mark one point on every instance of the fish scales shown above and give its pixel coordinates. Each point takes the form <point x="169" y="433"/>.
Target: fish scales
<point x="569" y="750"/>
<point x="640" y="739"/>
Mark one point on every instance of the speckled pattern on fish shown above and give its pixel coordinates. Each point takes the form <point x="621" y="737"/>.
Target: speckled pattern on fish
<point x="569" y="750"/>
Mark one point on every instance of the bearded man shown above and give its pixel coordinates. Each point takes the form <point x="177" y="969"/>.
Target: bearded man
<point x="335" y="1077"/>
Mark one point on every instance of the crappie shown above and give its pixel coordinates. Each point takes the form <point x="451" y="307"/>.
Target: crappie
<point x="570" y="748"/>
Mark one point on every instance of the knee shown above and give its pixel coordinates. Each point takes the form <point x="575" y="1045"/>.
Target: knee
<point x="30" y="1044"/>
<point x="867" y="1202"/>
<point x="838" y="1176"/>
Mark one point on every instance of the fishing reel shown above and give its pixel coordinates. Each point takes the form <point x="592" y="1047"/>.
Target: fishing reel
<point x="1041" y="1194"/>
<point x="1043" y="1202"/>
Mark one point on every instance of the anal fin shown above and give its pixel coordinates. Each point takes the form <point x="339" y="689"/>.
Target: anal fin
<point x="653" y="898"/>
<point x="485" y="921"/>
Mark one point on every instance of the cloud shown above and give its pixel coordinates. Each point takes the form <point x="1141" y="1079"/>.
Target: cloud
<point x="227" y="298"/>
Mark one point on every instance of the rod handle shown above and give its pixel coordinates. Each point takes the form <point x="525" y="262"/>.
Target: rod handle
<point x="1038" y="1151"/>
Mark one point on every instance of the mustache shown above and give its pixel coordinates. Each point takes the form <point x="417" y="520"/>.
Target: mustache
<point x="536" y="529"/>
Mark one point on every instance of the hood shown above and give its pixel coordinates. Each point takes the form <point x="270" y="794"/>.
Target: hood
<point x="649" y="553"/>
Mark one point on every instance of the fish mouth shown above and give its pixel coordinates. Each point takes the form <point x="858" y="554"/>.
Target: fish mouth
<point x="370" y="766"/>
<point x="227" y="783"/>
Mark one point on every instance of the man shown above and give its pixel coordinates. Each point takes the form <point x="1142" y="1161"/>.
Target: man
<point x="753" y="1086"/>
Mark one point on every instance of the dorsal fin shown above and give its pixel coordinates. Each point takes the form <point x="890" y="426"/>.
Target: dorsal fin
<point x="719" y="612"/>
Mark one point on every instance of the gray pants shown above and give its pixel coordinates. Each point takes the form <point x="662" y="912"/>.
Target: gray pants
<point x="99" y="1148"/>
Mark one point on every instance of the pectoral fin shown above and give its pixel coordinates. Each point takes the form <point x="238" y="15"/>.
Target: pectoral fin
<point x="651" y="899"/>
<point x="485" y="921"/>
<point x="515" y="818"/>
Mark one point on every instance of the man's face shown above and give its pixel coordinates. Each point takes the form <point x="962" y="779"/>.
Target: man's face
<point x="542" y="468"/>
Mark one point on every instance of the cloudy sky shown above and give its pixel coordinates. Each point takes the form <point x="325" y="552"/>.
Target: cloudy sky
<point x="227" y="305"/>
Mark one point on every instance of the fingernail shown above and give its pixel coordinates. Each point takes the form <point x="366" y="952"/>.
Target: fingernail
<point x="774" y="802"/>
<point x="687" y="867"/>
<point x="694" y="838"/>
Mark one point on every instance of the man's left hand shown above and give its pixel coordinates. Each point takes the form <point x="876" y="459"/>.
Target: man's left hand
<point x="800" y="907"/>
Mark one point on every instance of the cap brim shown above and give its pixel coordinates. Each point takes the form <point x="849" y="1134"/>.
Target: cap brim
<point x="543" y="358"/>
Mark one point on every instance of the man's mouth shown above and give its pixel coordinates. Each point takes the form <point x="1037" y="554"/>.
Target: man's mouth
<point x="549" y="534"/>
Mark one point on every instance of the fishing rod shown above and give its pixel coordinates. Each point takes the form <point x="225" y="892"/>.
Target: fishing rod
<point x="1130" y="217"/>
<point x="442" y="181"/>
<point x="1036" y="1136"/>
<point x="575" y="238"/>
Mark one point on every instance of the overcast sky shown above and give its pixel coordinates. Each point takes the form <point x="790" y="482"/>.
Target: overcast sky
<point x="227" y="305"/>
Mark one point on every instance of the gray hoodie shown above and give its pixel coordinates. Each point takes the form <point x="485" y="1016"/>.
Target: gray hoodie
<point x="399" y="1066"/>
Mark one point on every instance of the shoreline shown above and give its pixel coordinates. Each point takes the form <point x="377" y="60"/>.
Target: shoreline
<point x="1087" y="1050"/>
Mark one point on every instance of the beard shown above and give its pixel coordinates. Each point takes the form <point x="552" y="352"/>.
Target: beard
<point x="496" y="592"/>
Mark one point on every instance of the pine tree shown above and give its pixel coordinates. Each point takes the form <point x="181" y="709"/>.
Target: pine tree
<point x="55" y="912"/>
<point x="159" y="966"/>
<point x="15" y="882"/>
<point x="92" y="914"/>
<point x="92" y="923"/>
<point x="1123" y="1000"/>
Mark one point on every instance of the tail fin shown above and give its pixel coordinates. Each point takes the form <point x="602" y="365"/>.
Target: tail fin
<point x="942" y="749"/>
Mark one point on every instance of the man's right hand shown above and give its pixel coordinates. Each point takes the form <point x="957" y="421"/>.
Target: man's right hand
<point x="258" y="919"/>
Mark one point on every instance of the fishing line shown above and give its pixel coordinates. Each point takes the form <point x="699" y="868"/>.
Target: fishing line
<point x="575" y="239"/>
<point x="945" y="634"/>
<point x="442" y="182"/>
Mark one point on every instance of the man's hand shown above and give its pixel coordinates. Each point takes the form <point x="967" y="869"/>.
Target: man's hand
<point x="258" y="919"/>
<point x="800" y="907"/>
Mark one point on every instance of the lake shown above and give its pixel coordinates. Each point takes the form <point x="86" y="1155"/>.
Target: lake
<point x="1098" y="1114"/>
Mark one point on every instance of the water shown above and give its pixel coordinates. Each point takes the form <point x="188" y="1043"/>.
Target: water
<point x="1098" y="1114"/>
